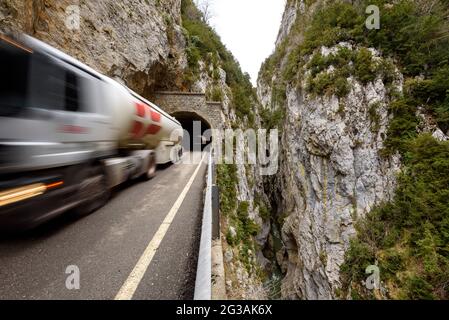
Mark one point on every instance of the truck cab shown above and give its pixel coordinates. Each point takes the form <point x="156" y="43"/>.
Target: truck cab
<point x="52" y="126"/>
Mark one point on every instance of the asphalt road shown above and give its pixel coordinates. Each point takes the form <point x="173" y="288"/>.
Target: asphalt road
<point x="106" y="245"/>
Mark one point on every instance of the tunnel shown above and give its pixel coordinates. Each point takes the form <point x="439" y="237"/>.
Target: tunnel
<point x="194" y="130"/>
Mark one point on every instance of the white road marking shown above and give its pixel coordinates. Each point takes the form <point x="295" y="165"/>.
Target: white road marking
<point x="135" y="277"/>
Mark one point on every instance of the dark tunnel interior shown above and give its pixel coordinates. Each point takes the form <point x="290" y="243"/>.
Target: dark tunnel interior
<point x="195" y="126"/>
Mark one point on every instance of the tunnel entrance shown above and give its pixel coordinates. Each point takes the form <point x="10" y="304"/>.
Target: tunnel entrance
<point x="194" y="126"/>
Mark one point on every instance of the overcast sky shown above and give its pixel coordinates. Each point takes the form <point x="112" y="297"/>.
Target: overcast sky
<point x="249" y="29"/>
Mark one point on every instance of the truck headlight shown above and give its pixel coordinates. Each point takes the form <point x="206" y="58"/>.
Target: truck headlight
<point x="22" y="193"/>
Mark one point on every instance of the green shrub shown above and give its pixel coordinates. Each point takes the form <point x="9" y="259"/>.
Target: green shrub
<point x="393" y="262"/>
<point x="242" y="102"/>
<point x="237" y="214"/>
<point x="331" y="24"/>
<point x="364" y="67"/>
<point x="272" y="119"/>
<point x="342" y="87"/>
<point x="264" y="212"/>
<point x="193" y="57"/>
<point x="278" y="95"/>
<point x="247" y="227"/>
<point x="374" y="117"/>
<point x="419" y="289"/>
<point x="416" y="220"/>
<point x="359" y="256"/>
<point x="230" y="239"/>
<point x="346" y="62"/>
<point x="273" y="62"/>
<point x="293" y="65"/>
<point x="214" y="94"/>
<point x="227" y="182"/>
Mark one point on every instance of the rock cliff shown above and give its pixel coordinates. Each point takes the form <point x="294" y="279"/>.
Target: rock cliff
<point x="138" y="42"/>
<point x="334" y="90"/>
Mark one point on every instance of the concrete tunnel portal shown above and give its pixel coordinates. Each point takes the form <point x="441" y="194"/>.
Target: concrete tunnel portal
<point x="195" y="127"/>
<point x="191" y="108"/>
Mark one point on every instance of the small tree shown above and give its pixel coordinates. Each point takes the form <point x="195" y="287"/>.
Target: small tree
<point x="206" y="8"/>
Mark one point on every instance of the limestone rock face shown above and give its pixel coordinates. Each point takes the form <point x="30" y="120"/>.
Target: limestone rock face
<point x="288" y="19"/>
<point x="331" y="169"/>
<point x="139" y="42"/>
<point x="333" y="174"/>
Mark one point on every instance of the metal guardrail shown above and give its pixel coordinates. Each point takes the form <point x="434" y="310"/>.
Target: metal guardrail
<point x="209" y="230"/>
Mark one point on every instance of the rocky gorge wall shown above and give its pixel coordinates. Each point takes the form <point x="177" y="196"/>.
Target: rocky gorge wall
<point x="330" y="171"/>
<point x="136" y="42"/>
<point x="334" y="99"/>
<point x="331" y="174"/>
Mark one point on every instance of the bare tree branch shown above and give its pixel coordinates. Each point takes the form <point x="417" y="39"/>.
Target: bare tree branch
<point x="206" y="8"/>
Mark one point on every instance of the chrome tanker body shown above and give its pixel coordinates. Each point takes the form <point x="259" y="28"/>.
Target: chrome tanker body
<point x="69" y="134"/>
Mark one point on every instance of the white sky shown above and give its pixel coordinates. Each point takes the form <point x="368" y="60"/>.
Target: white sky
<point x="249" y="29"/>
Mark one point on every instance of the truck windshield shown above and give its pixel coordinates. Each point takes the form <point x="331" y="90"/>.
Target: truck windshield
<point x="35" y="80"/>
<point x="14" y="63"/>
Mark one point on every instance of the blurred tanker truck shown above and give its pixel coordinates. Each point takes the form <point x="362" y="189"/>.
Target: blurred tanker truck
<point x="69" y="134"/>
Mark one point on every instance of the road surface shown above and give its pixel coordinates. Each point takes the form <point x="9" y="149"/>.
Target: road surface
<point x="111" y="246"/>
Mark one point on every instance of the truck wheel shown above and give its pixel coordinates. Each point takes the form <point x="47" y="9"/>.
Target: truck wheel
<point x="151" y="169"/>
<point x="178" y="155"/>
<point x="98" y="193"/>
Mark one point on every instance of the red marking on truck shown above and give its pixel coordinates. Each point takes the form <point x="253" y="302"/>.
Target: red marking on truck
<point x="136" y="129"/>
<point x="155" y="116"/>
<point x="153" y="129"/>
<point x="68" y="128"/>
<point x="140" y="109"/>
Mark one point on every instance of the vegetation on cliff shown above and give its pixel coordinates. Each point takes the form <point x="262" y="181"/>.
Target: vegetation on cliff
<point x="237" y="216"/>
<point x="409" y="236"/>
<point x="204" y="44"/>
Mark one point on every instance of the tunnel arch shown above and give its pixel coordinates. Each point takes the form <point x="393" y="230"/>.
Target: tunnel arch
<point x="194" y="126"/>
<point x="190" y="106"/>
<point x="195" y="102"/>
